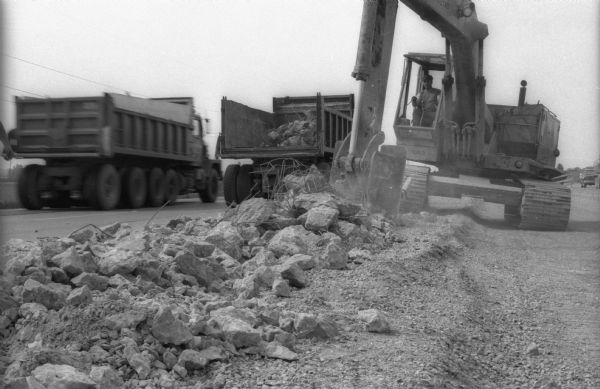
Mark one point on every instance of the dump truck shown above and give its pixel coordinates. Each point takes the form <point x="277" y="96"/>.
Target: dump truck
<point x="111" y="150"/>
<point x="301" y="131"/>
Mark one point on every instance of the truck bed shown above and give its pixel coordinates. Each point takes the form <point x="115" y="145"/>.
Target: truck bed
<point x="103" y="126"/>
<point x="245" y="131"/>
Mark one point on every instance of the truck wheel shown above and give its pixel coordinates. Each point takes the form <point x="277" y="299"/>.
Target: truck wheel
<point x="210" y="193"/>
<point x="108" y="187"/>
<point x="244" y="183"/>
<point x="172" y="186"/>
<point x="156" y="187"/>
<point x="28" y="187"/>
<point x="134" y="187"/>
<point x="230" y="183"/>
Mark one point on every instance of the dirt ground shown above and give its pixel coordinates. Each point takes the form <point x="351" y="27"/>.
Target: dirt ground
<point x="471" y="306"/>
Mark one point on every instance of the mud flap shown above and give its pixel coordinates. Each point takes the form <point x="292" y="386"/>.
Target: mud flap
<point x="385" y="178"/>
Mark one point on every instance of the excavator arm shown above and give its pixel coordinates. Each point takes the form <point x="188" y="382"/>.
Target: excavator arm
<point x="361" y="152"/>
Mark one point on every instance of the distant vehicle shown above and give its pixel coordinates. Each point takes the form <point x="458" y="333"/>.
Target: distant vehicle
<point x="111" y="150"/>
<point x="589" y="177"/>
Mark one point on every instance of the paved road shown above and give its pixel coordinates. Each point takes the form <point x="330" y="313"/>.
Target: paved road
<point x="28" y="225"/>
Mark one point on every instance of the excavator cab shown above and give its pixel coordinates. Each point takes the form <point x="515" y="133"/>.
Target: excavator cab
<point x="416" y="123"/>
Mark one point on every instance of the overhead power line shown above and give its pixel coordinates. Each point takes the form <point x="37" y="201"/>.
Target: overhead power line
<point x="67" y="74"/>
<point x="21" y="90"/>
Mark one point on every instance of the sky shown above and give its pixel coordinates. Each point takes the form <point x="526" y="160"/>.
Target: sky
<point x="253" y="50"/>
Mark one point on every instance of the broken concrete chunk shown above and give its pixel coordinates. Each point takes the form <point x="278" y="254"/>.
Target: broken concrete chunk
<point x="127" y="319"/>
<point x="306" y="262"/>
<point x="264" y="276"/>
<point x="334" y="257"/>
<point x="118" y="280"/>
<point x="320" y="218"/>
<point x="200" y="249"/>
<point x="307" y="201"/>
<point x="192" y="360"/>
<point x="6" y="301"/>
<point x="136" y="244"/>
<point x="141" y="363"/>
<point x="58" y="275"/>
<point x="213" y="353"/>
<point x="281" y="288"/>
<point x="311" y="326"/>
<point x="52" y="296"/>
<point x="61" y="376"/>
<point x="294" y="274"/>
<point x="255" y="210"/>
<point x="289" y="241"/>
<point x="169" y="359"/>
<point x="73" y="263"/>
<point x="279" y="222"/>
<point x="204" y="270"/>
<point x="246" y="287"/>
<point x="277" y="350"/>
<point x="532" y="349"/>
<point x="80" y="296"/>
<point x="250" y="233"/>
<point x="244" y="314"/>
<point x="236" y="331"/>
<point x="347" y="229"/>
<point x="376" y="321"/>
<point x="116" y="261"/>
<point x="169" y="330"/>
<point x="106" y="378"/>
<point x="226" y="237"/>
<point x="91" y="280"/>
<point x="32" y="310"/>
<point x="87" y="234"/>
<point x="35" y="273"/>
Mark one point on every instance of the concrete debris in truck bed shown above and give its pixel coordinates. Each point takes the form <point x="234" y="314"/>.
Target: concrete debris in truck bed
<point x="299" y="133"/>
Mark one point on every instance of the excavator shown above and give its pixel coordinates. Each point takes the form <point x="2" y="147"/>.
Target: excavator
<point x="497" y="153"/>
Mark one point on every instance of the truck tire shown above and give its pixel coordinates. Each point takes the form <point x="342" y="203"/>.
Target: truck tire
<point x="210" y="193"/>
<point x="28" y="187"/>
<point x="156" y="187"/>
<point x="230" y="184"/>
<point x="134" y="188"/>
<point x="172" y="186"/>
<point x="108" y="187"/>
<point x="244" y="183"/>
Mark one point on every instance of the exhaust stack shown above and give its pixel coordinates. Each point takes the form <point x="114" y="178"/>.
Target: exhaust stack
<point x="522" y="93"/>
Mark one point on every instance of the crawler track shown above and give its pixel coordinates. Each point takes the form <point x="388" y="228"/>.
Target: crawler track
<point x="416" y="198"/>
<point x="545" y="206"/>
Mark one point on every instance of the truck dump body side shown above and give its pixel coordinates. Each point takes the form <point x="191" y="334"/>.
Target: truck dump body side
<point x="70" y="125"/>
<point x="112" y="125"/>
<point x="298" y="127"/>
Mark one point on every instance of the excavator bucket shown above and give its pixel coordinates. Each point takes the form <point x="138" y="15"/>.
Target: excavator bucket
<point x="375" y="179"/>
<point x="385" y="178"/>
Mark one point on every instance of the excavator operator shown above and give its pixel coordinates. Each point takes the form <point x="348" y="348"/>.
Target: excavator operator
<point x="426" y="104"/>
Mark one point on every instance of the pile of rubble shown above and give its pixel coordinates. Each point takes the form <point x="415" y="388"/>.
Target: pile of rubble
<point x="299" y="133"/>
<point x="160" y="308"/>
